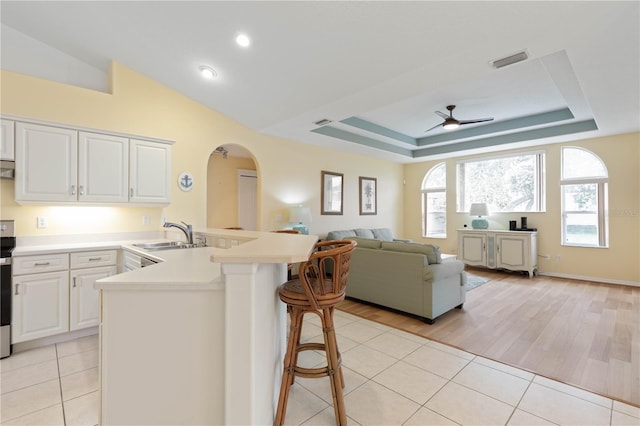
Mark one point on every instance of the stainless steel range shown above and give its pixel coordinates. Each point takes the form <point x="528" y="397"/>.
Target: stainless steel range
<point x="7" y="244"/>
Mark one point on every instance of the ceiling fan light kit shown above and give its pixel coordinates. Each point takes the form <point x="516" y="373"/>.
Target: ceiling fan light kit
<point x="451" y="123"/>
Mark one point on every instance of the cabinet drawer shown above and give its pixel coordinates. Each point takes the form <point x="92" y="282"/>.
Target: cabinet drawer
<point x="40" y="263"/>
<point x="89" y="259"/>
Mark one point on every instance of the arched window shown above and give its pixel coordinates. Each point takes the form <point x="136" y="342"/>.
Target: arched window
<point x="583" y="184"/>
<point x="434" y="202"/>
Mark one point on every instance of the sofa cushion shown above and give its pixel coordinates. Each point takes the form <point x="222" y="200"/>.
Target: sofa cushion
<point x="383" y="234"/>
<point x="432" y="252"/>
<point x="364" y="233"/>
<point x="341" y="235"/>
<point x="366" y="242"/>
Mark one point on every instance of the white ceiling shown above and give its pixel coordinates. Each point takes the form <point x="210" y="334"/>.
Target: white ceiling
<point x="389" y="63"/>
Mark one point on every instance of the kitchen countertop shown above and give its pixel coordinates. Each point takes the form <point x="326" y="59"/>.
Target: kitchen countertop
<point x="196" y="268"/>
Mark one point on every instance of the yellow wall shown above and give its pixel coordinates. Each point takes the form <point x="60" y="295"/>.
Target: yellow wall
<point x="289" y="172"/>
<point x="222" y="189"/>
<point x="619" y="262"/>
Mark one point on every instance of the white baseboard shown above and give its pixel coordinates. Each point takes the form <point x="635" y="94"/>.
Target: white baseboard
<point x="50" y="340"/>
<point x="587" y="278"/>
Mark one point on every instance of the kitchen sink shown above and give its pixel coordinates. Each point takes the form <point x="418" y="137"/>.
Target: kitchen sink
<point x="166" y="245"/>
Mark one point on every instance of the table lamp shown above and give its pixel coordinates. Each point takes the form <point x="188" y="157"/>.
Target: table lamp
<point x="300" y="215"/>
<point x="479" y="209"/>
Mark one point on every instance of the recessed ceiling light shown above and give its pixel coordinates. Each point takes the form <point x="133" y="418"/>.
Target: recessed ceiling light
<point x="208" y="72"/>
<point x="243" y="40"/>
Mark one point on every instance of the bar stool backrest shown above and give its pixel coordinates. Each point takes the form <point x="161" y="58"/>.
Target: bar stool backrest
<point x="324" y="275"/>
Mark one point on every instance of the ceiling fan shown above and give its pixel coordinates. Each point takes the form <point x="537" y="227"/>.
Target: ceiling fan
<point x="450" y="122"/>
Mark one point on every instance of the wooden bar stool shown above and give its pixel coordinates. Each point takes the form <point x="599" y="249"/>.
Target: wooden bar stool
<point x="321" y="285"/>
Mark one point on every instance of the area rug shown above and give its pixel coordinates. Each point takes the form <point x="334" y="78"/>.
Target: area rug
<point x="474" y="281"/>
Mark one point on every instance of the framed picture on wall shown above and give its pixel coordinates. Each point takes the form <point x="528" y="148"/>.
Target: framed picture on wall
<point x="331" y="193"/>
<point x="368" y="195"/>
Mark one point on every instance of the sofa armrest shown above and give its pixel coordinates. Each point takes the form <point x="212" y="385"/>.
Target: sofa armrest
<point x="402" y="240"/>
<point x="446" y="269"/>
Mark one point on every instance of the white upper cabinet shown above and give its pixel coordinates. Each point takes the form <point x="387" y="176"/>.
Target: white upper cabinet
<point x="46" y="163"/>
<point x="7" y="137"/>
<point x="63" y="165"/>
<point x="150" y="172"/>
<point x="103" y="168"/>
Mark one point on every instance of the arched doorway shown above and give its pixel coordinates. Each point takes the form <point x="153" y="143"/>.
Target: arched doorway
<point x="232" y="188"/>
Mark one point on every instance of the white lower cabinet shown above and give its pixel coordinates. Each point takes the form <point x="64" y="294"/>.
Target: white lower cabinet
<point x="40" y="300"/>
<point x="512" y="250"/>
<point x="50" y="299"/>
<point x="86" y="269"/>
<point x="130" y="261"/>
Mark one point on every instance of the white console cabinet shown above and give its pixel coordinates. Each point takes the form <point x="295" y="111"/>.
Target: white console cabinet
<point x="512" y="250"/>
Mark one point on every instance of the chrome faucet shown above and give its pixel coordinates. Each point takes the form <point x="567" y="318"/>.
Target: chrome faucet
<point x="187" y="229"/>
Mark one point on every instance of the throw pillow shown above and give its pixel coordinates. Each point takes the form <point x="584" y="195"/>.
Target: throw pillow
<point x="432" y="252"/>
<point x="383" y="234"/>
<point x="364" y="233"/>
<point x="340" y="235"/>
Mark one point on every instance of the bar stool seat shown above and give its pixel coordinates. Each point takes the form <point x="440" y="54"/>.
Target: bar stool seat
<point x="321" y="285"/>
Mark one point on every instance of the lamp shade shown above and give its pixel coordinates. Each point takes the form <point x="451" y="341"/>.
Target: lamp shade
<point x="300" y="216"/>
<point x="479" y="209"/>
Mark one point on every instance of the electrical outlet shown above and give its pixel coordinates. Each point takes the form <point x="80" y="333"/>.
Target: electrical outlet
<point x="557" y="258"/>
<point x="42" y="222"/>
<point x="145" y="220"/>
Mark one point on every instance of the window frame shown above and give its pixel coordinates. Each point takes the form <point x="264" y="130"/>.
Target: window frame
<point x="602" y="191"/>
<point x="539" y="181"/>
<point x="424" y="196"/>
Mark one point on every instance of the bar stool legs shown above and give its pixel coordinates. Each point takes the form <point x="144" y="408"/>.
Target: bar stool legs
<point x="333" y="368"/>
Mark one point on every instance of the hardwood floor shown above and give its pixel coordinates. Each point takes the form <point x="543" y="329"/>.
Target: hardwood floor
<point x="581" y="333"/>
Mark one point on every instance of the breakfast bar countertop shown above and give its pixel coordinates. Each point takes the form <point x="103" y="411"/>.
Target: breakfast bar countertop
<point x="191" y="268"/>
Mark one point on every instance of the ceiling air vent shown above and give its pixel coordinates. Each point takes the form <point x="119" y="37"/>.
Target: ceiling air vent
<point x="322" y="122"/>
<point x="509" y="60"/>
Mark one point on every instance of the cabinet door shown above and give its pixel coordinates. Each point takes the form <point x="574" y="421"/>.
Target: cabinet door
<point x="512" y="251"/>
<point x="472" y="246"/>
<point x="46" y="163"/>
<point x="103" y="168"/>
<point x="40" y="305"/>
<point x="150" y="171"/>
<point x="84" y="298"/>
<point x="7" y="140"/>
<point x="131" y="261"/>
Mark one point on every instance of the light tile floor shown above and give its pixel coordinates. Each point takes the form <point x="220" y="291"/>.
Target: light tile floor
<point x="392" y="378"/>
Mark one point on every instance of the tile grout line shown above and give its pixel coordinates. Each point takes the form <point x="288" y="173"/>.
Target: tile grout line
<point x="64" y="416"/>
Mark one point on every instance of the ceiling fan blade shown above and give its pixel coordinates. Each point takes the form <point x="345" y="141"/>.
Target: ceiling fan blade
<point x="437" y="125"/>
<point x="442" y="114"/>
<point x="479" y="120"/>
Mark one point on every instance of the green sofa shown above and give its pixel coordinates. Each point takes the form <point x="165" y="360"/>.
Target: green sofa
<point x="407" y="277"/>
